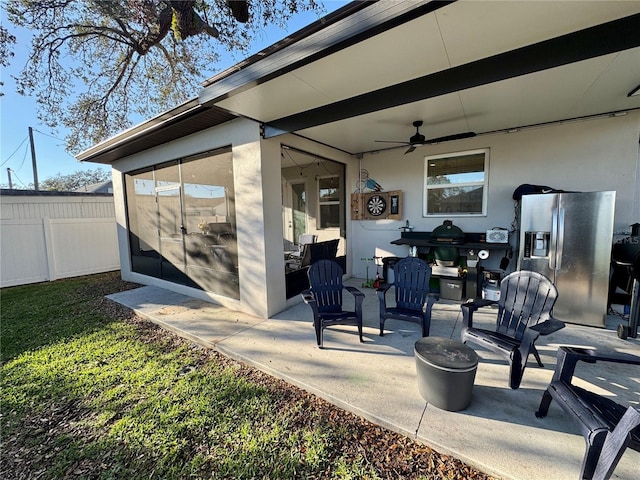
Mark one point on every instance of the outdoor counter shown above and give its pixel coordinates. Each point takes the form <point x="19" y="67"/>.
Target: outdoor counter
<point x="468" y="248"/>
<point x="472" y="241"/>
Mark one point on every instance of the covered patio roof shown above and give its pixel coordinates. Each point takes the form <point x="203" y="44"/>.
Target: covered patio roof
<point x="369" y="70"/>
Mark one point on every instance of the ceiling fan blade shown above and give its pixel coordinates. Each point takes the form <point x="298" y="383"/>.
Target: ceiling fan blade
<point x="392" y="141"/>
<point x="448" y="138"/>
<point x="410" y="149"/>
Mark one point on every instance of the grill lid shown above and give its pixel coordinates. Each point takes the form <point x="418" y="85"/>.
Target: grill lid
<point x="447" y="233"/>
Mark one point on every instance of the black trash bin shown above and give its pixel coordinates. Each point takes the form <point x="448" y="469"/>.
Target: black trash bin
<point x="446" y="371"/>
<point x="389" y="263"/>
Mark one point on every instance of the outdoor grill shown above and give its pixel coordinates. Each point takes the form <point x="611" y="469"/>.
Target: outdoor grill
<point x="448" y="235"/>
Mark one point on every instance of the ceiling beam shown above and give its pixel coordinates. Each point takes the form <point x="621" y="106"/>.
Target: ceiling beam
<point x="611" y="37"/>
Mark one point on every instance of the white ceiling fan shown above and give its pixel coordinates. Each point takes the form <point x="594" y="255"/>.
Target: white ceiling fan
<point x="419" y="139"/>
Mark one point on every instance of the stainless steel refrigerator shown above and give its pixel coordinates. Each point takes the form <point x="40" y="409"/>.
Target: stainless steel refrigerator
<point x="568" y="237"/>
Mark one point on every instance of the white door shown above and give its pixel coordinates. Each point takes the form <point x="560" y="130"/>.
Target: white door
<point x="294" y="209"/>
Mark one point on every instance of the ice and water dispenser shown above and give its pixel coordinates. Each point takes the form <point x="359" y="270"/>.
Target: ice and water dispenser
<point x="536" y="244"/>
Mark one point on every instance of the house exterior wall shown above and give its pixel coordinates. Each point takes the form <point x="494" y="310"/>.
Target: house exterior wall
<point x="589" y="155"/>
<point x="244" y="138"/>
<point x="257" y="172"/>
<point x="273" y="259"/>
<point x="598" y="154"/>
<point x="50" y="237"/>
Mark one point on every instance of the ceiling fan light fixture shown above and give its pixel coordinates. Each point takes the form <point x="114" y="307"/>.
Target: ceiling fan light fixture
<point x="417" y="138"/>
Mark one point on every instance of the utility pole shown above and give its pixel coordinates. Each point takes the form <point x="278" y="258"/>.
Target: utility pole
<point x="33" y="160"/>
<point x="9" y="175"/>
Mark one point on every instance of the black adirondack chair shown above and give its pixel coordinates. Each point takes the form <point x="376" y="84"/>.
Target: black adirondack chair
<point x="608" y="428"/>
<point x="325" y="298"/>
<point x="413" y="300"/>
<point x="524" y="313"/>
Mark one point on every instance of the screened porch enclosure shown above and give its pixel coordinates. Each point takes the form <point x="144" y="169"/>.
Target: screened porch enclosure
<point x="313" y="203"/>
<point x="182" y="222"/>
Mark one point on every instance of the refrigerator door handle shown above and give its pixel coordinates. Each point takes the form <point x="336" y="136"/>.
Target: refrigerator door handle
<point x="553" y="240"/>
<point x="560" y="239"/>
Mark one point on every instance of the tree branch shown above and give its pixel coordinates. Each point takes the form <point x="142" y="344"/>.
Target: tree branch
<point x="168" y="57"/>
<point x="123" y="68"/>
<point x="164" y="25"/>
<point x="92" y="62"/>
<point x="187" y="22"/>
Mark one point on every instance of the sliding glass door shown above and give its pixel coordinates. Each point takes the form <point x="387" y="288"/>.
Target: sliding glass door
<point x="182" y="222"/>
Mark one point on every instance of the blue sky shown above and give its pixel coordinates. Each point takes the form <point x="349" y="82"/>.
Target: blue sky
<point x="18" y="113"/>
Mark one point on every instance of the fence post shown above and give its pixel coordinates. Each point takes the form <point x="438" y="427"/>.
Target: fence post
<point x="48" y="245"/>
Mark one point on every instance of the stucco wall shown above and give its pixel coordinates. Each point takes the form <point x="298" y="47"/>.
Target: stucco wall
<point x="598" y="154"/>
<point x="589" y="155"/>
<point x="244" y="138"/>
<point x="258" y="199"/>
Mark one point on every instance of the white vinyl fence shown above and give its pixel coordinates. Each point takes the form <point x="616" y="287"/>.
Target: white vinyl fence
<point x="45" y="237"/>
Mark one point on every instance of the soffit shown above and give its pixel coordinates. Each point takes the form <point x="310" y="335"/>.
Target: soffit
<point x="375" y="63"/>
<point x="185" y="120"/>
<point x="597" y="86"/>
<point x="454" y="35"/>
<point x="381" y="45"/>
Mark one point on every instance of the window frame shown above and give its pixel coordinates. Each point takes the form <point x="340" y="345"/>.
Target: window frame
<point x="484" y="183"/>
<point x="322" y="203"/>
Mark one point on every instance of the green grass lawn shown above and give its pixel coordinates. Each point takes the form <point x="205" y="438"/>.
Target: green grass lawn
<point x="91" y="391"/>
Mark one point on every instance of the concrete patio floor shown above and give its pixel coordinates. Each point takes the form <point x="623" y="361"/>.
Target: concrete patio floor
<point x="498" y="433"/>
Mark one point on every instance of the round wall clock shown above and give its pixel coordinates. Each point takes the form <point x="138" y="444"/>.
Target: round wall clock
<point x="376" y="205"/>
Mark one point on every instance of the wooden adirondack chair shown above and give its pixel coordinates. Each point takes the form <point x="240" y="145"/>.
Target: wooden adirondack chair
<point x="413" y="302"/>
<point x="524" y="313"/>
<point x="325" y="299"/>
<point x="608" y="428"/>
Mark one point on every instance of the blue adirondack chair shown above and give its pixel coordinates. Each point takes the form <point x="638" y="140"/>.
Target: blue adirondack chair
<point x="325" y="299"/>
<point x="413" y="300"/>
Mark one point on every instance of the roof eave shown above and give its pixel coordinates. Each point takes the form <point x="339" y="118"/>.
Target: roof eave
<point x="351" y="24"/>
<point x="137" y="130"/>
<point x="304" y="47"/>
